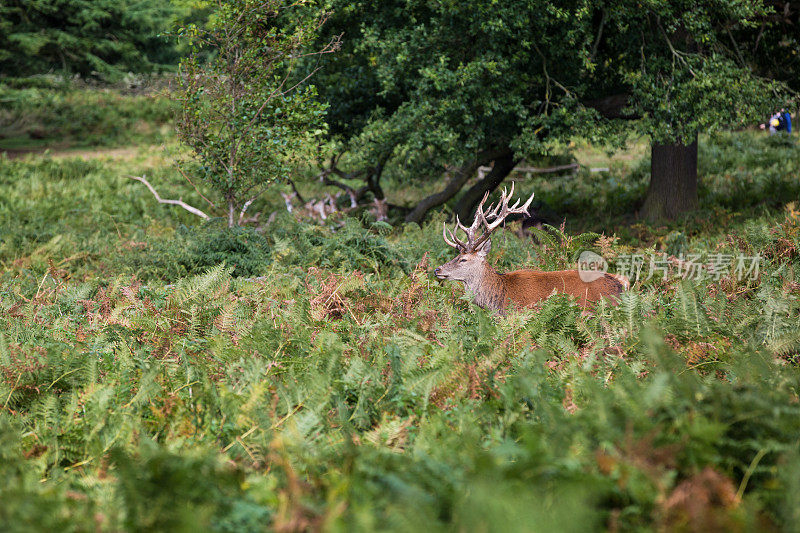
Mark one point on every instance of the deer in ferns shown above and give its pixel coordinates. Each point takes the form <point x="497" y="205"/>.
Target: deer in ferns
<point x="522" y="288"/>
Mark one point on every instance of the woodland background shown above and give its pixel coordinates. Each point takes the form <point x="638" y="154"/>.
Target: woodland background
<point x="159" y="371"/>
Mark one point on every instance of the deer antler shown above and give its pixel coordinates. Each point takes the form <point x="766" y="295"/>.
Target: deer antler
<point x="453" y="240"/>
<point x="499" y="213"/>
<point x="496" y="213"/>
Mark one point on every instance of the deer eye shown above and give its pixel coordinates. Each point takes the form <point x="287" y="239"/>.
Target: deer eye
<point x="463" y="261"/>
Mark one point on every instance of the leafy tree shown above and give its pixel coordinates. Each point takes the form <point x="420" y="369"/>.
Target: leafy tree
<point x="245" y="115"/>
<point x="447" y="87"/>
<point x="99" y="38"/>
<point x="685" y="80"/>
<point x="771" y="46"/>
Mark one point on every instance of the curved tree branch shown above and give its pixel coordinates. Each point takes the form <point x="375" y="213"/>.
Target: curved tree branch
<point x="457" y="180"/>
<point x="374" y="180"/>
<point x="294" y="189"/>
<point x="597" y="39"/>
<point x="160" y="200"/>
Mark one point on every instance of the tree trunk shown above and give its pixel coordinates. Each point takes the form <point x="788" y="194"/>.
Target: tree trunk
<point x="457" y="180"/>
<point x="373" y="182"/>
<point x="503" y="166"/>
<point x="673" y="181"/>
<point x="231" y="214"/>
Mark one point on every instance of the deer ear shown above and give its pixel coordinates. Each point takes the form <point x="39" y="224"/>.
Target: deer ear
<point x="483" y="251"/>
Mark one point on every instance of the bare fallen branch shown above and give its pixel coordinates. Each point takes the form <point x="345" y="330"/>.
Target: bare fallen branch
<point x="482" y="171"/>
<point x="160" y="200"/>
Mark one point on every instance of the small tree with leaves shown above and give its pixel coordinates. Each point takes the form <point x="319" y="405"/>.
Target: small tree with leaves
<point x="246" y="114"/>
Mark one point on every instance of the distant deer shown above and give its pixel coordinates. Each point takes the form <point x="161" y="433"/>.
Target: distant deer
<point x="380" y="209"/>
<point x="318" y="210"/>
<point x="523" y="288"/>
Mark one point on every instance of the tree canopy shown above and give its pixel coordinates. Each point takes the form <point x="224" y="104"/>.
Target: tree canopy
<point x="426" y="85"/>
<point x="433" y="89"/>
<point x="93" y="38"/>
<point x="771" y="46"/>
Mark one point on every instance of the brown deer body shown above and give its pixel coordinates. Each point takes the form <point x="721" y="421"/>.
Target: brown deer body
<point x="521" y="288"/>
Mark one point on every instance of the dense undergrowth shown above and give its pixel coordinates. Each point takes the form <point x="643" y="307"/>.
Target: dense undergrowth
<point x="160" y="375"/>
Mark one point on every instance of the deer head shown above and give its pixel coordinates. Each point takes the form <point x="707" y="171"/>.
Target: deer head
<point x="469" y="264"/>
<point x="288" y="199"/>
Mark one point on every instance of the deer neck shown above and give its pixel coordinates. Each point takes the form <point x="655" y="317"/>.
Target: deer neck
<point x="488" y="288"/>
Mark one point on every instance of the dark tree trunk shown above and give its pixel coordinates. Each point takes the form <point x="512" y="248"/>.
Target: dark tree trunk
<point x="373" y="181"/>
<point x="673" y="181"/>
<point x="457" y="180"/>
<point x="502" y="167"/>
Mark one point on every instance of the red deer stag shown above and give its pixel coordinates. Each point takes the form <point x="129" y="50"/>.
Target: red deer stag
<point x="523" y="288"/>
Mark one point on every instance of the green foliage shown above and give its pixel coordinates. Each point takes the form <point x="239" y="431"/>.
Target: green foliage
<point x="79" y="207"/>
<point x="768" y="47"/>
<point x="742" y="171"/>
<point x="352" y="247"/>
<point x="192" y="250"/>
<point x="27" y="504"/>
<point x="423" y="94"/>
<point x="244" y="115"/>
<point x="93" y="38"/>
<point x="709" y="94"/>
<point x="161" y="376"/>
<point x="344" y="388"/>
<point x="163" y="491"/>
<point x="425" y="86"/>
<point x="394" y="415"/>
<point x="37" y="111"/>
<point x="684" y="73"/>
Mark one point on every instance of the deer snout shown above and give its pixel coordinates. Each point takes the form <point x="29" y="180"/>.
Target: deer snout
<point x="438" y="273"/>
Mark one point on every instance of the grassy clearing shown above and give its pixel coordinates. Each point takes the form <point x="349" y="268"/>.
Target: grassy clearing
<point x="145" y="386"/>
<point x="59" y="115"/>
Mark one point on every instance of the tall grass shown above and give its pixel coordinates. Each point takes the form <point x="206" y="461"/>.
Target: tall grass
<point x="34" y="115"/>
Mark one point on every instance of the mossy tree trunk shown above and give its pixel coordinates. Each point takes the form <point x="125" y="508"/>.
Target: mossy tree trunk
<point x="673" y="181"/>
